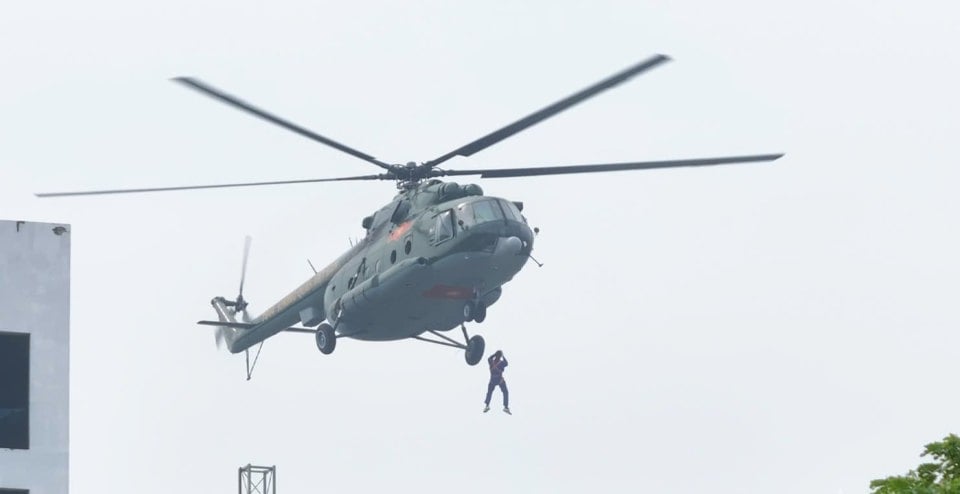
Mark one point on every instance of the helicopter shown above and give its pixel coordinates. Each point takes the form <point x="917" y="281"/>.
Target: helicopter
<point x="431" y="260"/>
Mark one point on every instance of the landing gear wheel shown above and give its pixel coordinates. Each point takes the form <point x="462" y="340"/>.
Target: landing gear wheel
<point x="326" y="339"/>
<point x="480" y="312"/>
<point x="469" y="310"/>
<point x="475" y="347"/>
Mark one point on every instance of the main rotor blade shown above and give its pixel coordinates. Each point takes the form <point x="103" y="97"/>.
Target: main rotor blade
<point x="537" y="117"/>
<point x="215" y="186"/>
<point x="236" y="102"/>
<point x="611" y="167"/>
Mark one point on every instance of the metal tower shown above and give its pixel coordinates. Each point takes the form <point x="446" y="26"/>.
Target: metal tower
<point x="257" y="480"/>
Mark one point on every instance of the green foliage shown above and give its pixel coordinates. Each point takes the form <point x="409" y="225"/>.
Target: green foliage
<point x="940" y="477"/>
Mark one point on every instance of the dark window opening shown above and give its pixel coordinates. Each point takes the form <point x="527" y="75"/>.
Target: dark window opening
<point x="14" y="390"/>
<point x="407" y="247"/>
<point x="393" y="257"/>
<point x="400" y="212"/>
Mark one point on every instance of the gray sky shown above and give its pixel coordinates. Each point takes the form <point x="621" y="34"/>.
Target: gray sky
<point x="751" y="328"/>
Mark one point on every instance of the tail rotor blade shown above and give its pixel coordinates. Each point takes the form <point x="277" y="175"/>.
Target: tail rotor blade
<point x="243" y="268"/>
<point x="219" y="337"/>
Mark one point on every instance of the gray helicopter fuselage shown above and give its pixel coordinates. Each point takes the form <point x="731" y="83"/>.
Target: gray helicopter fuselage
<point x="425" y="255"/>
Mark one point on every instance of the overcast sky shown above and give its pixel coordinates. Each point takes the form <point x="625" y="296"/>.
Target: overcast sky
<point x="788" y="327"/>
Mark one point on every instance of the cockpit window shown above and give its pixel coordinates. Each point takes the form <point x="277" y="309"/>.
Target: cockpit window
<point x="484" y="211"/>
<point x="510" y="209"/>
<point x="444" y="227"/>
<point x="474" y="213"/>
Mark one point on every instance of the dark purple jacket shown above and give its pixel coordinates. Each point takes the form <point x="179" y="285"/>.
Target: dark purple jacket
<point x="496" y="368"/>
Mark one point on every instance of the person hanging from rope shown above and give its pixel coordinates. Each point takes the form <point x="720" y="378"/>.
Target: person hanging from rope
<point x="497" y="364"/>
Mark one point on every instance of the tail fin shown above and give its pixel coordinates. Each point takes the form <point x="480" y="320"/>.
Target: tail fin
<point x="233" y="329"/>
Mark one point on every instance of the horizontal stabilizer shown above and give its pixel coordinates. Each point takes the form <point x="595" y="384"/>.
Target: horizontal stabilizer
<point x="248" y="325"/>
<point x="228" y="324"/>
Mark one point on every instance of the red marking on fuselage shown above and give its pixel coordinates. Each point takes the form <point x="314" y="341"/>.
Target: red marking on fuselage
<point x="449" y="292"/>
<point x="400" y="230"/>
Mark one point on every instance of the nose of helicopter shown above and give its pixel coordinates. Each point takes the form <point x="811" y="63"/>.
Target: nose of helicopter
<point x="509" y="246"/>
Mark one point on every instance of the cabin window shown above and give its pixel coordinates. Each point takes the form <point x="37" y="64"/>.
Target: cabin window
<point x="14" y="391"/>
<point x="444" y="228"/>
<point x="393" y="256"/>
<point x="407" y="247"/>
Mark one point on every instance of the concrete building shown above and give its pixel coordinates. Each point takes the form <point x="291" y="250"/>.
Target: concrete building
<point x="34" y="357"/>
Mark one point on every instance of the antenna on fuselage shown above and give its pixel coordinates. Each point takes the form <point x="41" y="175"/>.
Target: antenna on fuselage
<point x="539" y="265"/>
<point x="311" y="266"/>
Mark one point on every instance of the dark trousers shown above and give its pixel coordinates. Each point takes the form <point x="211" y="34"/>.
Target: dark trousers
<point x="503" y="387"/>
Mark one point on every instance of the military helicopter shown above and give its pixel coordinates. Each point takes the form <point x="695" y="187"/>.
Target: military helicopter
<point x="433" y="258"/>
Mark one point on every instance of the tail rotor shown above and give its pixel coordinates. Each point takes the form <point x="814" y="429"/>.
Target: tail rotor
<point x="239" y="305"/>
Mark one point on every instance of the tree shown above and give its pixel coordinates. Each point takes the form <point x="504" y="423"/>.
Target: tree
<point x="939" y="477"/>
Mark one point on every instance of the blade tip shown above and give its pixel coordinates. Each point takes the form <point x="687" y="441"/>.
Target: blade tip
<point x="186" y="81"/>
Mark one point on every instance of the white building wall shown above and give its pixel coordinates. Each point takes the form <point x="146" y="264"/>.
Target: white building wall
<point x="35" y="299"/>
